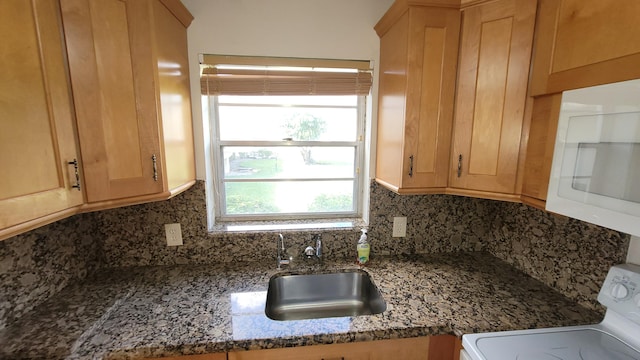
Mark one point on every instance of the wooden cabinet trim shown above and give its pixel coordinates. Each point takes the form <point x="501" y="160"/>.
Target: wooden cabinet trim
<point x="29" y="225"/>
<point x="399" y="7"/>
<point x="533" y="202"/>
<point x="212" y="356"/>
<point x="179" y="11"/>
<point x="540" y="146"/>
<point x="483" y="194"/>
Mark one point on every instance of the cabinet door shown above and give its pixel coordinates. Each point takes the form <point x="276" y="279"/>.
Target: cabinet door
<point x="493" y="72"/>
<point x="433" y="51"/>
<point x="391" y="104"/>
<point x="584" y="43"/>
<point x="111" y="66"/>
<point x="170" y="40"/>
<point x="418" y="55"/>
<point x="36" y="117"/>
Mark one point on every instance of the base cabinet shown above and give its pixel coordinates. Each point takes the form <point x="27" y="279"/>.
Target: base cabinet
<point x="214" y="356"/>
<point x="440" y="347"/>
<point x="421" y="348"/>
<point x="408" y="349"/>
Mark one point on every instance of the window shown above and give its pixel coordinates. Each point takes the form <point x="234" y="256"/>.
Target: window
<point x="280" y="152"/>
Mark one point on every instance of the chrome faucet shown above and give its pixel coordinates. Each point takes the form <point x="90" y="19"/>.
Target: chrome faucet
<point x="318" y="238"/>
<point x="310" y="252"/>
<point x="282" y="257"/>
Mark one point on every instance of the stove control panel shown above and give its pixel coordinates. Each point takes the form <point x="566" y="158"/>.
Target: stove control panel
<point x="621" y="291"/>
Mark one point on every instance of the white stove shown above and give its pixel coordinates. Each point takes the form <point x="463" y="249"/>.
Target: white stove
<point x="617" y="337"/>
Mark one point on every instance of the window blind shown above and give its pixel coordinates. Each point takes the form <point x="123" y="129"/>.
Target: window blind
<point x="278" y="80"/>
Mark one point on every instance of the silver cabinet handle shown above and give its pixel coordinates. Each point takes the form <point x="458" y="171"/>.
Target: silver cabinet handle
<point x="154" y="159"/>
<point x="411" y="166"/>
<point x="459" y="165"/>
<point x="77" y="173"/>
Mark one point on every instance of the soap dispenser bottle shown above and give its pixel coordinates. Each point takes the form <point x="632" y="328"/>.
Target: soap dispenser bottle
<point x="363" y="248"/>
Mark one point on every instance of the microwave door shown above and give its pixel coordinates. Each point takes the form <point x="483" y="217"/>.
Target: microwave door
<point x="608" y="169"/>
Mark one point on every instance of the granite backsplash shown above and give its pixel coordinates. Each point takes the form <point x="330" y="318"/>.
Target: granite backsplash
<point x="568" y="255"/>
<point x="436" y="223"/>
<point x="38" y="264"/>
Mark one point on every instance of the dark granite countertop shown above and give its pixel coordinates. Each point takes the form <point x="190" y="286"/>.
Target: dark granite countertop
<point x="164" y="311"/>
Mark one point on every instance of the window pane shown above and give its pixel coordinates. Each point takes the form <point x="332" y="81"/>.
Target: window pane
<point x="288" y="197"/>
<point x="257" y="121"/>
<point x="288" y="162"/>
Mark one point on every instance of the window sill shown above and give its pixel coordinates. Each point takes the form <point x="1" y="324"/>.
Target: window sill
<point x="286" y="225"/>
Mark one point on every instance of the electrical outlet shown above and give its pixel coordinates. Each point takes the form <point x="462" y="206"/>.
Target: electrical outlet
<point x="400" y="226"/>
<point x="174" y="234"/>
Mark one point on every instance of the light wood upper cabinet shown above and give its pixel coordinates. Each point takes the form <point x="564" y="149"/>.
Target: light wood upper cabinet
<point x="134" y="120"/>
<point x="37" y="139"/>
<point x="584" y="43"/>
<point x="418" y="55"/>
<point x="174" y="93"/>
<point x="542" y="139"/>
<point x="495" y="51"/>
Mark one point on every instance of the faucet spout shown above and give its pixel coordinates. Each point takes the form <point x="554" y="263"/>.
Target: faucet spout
<point x="319" y="246"/>
<point x="282" y="257"/>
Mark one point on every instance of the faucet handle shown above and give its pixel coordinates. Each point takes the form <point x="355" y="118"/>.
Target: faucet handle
<point x="309" y="252"/>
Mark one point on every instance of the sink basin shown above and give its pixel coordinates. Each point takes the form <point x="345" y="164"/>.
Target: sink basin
<point x="312" y="296"/>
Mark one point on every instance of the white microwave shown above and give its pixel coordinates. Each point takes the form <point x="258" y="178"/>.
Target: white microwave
<point x="595" y="175"/>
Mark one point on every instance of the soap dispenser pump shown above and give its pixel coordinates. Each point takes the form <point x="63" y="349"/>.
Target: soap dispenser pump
<point x="363" y="248"/>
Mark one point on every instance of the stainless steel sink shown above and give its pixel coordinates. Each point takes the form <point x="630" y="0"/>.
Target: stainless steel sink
<point x="312" y="296"/>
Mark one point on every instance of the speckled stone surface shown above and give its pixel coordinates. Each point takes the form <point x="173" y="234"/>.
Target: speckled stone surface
<point x="134" y="236"/>
<point x="569" y="255"/>
<point x="191" y="309"/>
<point x="435" y="223"/>
<point x="39" y="263"/>
<point x="542" y="245"/>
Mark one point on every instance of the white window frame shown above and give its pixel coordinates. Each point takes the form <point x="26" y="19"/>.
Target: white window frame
<point x="217" y="146"/>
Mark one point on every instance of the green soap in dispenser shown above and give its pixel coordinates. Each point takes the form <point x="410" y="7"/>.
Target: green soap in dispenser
<point x="363" y="248"/>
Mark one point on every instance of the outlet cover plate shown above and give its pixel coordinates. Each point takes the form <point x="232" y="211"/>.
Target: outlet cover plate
<point x="174" y="234"/>
<point x="400" y="226"/>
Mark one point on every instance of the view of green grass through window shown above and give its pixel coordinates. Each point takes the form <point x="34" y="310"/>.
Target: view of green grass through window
<point x="296" y="155"/>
